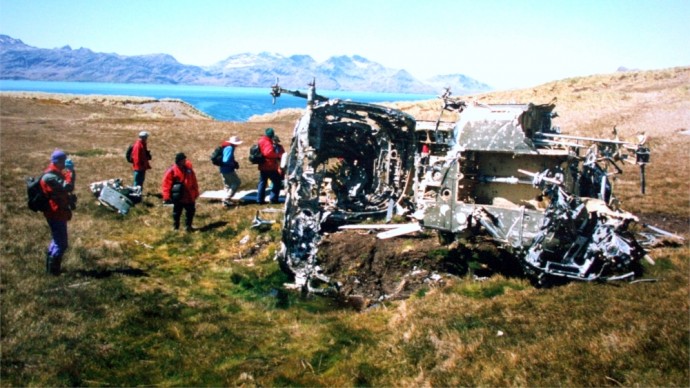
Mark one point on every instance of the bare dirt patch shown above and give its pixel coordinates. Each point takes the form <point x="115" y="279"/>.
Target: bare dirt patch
<point x="369" y="269"/>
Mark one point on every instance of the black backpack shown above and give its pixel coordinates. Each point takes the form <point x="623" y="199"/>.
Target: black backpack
<point x="217" y="155"/>
<point x="128" y="153"/>
<point x="37" y="200"/>
<point x="176" y="192"/>
<point x="255" y="155"/>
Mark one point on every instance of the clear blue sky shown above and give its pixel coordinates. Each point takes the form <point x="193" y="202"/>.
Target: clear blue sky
<point x="505" y="43"/>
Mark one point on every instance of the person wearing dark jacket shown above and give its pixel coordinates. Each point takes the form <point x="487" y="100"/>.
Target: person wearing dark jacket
<point x="141" y="157"/>
<point x="228" y="168"/>
<point x="180" y="188"/>
<point x="269" y="169"/>
<point x="279" y="149"/>
<point x="57" y="183"/>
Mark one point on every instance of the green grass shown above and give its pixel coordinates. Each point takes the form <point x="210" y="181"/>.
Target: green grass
<point x="90" y="153"/>
<point x="495" y="286"/>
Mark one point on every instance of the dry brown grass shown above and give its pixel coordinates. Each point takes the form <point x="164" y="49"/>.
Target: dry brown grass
<point x="141" y="305"/>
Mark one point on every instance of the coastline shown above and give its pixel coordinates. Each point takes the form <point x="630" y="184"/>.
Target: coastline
<point x="163" y="108"/>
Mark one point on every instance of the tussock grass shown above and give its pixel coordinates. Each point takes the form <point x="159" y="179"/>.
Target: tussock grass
<point x="139" y="304"/>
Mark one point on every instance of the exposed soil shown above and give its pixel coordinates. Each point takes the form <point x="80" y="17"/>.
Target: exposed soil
<point x="369" y="269"/>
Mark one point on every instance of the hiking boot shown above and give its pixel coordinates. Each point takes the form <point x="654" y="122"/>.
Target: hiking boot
<point x="53" y="265"/>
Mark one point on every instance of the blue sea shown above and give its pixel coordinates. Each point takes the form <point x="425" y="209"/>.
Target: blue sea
<point x="221" y="103"/>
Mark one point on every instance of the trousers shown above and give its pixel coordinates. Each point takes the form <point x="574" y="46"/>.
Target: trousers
<point x="139" y="177"/>
<point x="189" y="209"/>
<point x="57" y="247"/>
<point x="276" y="180"/>
<point x="231" y="182"/>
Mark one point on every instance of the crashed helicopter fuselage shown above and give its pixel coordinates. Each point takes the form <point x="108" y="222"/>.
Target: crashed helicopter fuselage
<point x="501" y="171"/>
<point x="545" y="197"/>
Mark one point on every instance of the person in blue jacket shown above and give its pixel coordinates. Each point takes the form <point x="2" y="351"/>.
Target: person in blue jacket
<point x="228" y="168"/>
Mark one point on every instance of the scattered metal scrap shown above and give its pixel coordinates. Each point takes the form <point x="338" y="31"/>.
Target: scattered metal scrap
<point x="260" y="223"/>
<point x="116" y="197"/>
<point x="500" y="170"/>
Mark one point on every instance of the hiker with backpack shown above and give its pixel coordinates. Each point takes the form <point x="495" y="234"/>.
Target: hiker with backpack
<point x="140" y="157"/>
<point x="224" y="158"/>
<point x="180" y="188"/>
<point x="57" y="183"/>
<point x="269" y="168"/>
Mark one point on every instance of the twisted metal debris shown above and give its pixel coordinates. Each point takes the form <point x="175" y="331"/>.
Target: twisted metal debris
<point x="501" y="171"/>
<point x="347" y="161"/>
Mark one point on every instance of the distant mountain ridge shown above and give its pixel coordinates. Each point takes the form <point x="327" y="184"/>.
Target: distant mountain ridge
<point x="19" y="61"/>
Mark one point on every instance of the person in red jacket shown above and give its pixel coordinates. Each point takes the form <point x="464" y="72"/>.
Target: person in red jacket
<point x="140" y="159"/>
<point x="180" y="188"/>
<point x="269" y="169"/>
<point x="57" y="183"/>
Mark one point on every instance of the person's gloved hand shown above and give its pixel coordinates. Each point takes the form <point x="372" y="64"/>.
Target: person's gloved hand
<point x="69" y="165"/>
<point x="167" y="202"/>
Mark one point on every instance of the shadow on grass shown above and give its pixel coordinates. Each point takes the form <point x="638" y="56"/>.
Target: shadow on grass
<point x="106" y="273"/>
<point x="213" y="225"/>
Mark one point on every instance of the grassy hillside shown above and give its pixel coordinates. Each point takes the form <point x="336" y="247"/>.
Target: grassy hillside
<point x="139" y="304"/>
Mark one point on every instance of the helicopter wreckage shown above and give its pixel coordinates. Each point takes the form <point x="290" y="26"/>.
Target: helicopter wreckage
<point x="499" y="171"/>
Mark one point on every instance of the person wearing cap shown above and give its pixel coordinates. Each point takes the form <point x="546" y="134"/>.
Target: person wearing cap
<point x="57" y="183"/>
<point x="180" y="188"/>
<point x="141" y="157"/>
<point x="228" y="167"/>
<point x="269" y="169"/>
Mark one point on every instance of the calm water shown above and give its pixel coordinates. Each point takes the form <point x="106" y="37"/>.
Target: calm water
<point x="222" y="103"/>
